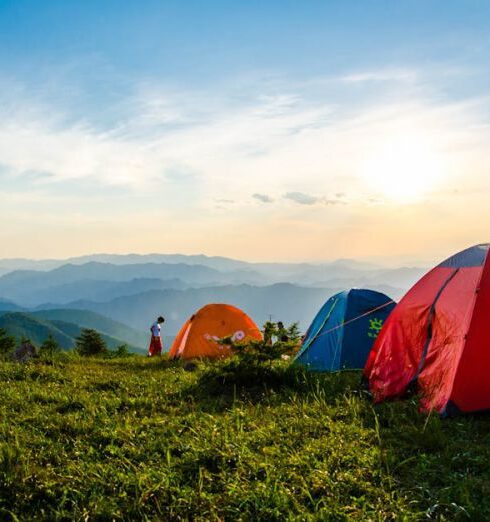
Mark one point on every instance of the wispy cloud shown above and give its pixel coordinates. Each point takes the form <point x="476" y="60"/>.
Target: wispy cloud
<point x="301" y="198"/>
<point x="162" y="156"/>
<point x="263" y="198"/>
<point x="161" y="139"/>
<point x="293" y="142"/>
<point x="381" y="75"/>
<point x="307" y="199"/>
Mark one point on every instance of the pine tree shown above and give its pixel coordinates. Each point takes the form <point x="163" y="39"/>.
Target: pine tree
<point x="49" y="346"/>
<point x="294" y="333"/>
<point x="7" y="343"/>
<point x="90" y="342"/>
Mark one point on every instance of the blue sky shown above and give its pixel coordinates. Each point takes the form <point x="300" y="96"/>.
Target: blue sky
<point x="261" y="130"/>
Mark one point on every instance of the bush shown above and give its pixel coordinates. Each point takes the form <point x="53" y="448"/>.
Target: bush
<point x="234" y="376"/>
<point x="277" y="343"/>
<point x="121" y="351"/>
<point x="90" y="342"/>
<point x="257" y="363"/>
<point x="49" y="348"/>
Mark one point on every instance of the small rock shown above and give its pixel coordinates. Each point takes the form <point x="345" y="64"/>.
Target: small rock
<point x="24" y="353"/>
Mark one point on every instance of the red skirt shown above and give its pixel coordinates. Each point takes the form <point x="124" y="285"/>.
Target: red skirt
<point x="155" y="346"/>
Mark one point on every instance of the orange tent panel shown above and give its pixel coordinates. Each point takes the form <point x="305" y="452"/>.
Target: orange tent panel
<point x="199" y="335"/>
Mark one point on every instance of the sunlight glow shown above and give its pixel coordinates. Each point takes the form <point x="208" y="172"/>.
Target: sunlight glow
<point x="403" y="168"/>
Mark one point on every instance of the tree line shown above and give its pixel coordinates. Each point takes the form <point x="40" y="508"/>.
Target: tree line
<point x="89" y="343"/>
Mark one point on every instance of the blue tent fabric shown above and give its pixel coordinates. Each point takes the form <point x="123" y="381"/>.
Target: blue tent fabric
<point x="343" y="332"/>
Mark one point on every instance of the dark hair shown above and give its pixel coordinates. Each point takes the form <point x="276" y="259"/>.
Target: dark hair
<point x="161" y="319"/>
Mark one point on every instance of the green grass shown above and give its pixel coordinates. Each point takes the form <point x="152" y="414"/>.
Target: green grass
<point x="137" y="439"/>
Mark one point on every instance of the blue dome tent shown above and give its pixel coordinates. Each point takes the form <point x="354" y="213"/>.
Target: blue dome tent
<point x="343" y="332"/>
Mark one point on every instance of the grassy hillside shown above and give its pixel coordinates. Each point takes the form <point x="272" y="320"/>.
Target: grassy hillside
<point x="20" y="325"/>
<point x="37" y="328"/>
<point x="88" y="319"/>
<point x="73" y="330"/>
<point x="144" y="439"/>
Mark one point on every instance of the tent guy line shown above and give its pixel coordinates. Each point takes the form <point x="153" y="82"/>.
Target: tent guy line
<point x="369" y="312"/>
<point x="329" y="345"/>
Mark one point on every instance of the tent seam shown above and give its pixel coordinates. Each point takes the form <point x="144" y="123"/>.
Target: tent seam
<point x="475" y="298"/>
<point x="429" y="327"/>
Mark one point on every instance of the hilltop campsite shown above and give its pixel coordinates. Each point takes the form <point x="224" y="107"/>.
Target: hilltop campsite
<point x="252" y="429"/>
<point x="244" y="261"/>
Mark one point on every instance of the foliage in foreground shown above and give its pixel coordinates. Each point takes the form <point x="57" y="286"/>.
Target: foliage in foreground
<point x="278" y="342"/>
<point x="134" y="438"/>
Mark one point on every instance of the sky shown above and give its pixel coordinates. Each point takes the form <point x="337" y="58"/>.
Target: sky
<point x="268" y="131"/>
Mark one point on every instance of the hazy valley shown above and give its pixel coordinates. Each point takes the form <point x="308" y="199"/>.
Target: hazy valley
<point x="128" y="291"/>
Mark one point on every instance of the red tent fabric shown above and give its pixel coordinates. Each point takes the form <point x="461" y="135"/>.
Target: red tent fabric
<point x="437" y="339"/>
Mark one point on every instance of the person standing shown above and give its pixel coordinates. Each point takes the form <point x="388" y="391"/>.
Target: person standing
<point x="156" y="345"/>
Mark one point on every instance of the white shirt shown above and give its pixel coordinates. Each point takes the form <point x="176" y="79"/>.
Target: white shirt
<point x="155" y="329"/>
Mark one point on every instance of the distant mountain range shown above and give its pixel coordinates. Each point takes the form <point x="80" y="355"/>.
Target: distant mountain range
<point x="100" y="281"/>
<point x="88" y="289"/>
<point x="134" y="289"/>
<point x="283" y="301"/>
<point x="9" y="306"/>
<point x="31" y="287"/>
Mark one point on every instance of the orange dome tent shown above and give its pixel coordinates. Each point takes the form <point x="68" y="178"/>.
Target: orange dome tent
<point x="198" y="337"/>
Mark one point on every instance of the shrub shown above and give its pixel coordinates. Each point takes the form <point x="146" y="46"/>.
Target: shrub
<point x="49" y="348"/>
<point x="90" y="342"/>
<point x="121" y="351"/>
<point x="256" y="363"/>
<point x="278" y="342"/>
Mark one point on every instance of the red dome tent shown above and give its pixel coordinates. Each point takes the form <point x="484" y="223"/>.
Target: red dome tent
<point x="437" y="339"/>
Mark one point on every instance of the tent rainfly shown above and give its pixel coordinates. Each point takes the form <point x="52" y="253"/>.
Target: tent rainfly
<point x="199" y="335"/>
<point x="342" y="333"/>
<point x="437" y="340"/>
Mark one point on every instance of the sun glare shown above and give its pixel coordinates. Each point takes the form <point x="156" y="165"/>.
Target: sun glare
<point x="403" y="169"/>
